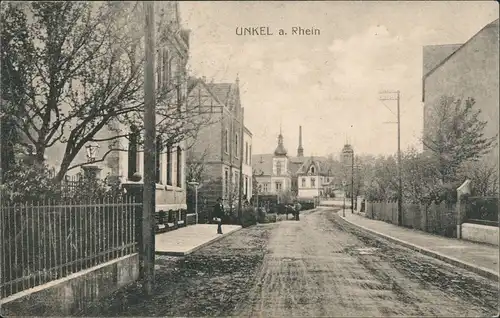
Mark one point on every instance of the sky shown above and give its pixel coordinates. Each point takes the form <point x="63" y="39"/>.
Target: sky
<point x="328" y="83"/>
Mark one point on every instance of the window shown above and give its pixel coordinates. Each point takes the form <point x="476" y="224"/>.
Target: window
<point x="159" y="57"/>
<point x="158" y="160"/>
<point x="250" y="155"/>
<point x="179" y="166"/>
<point x="278" y="186"/>
<point x="165" y="70"/>
<point x="236" y="146"/>
<point x="247" y="185"/>
<point x="226" y="141"/>
<point x="278" y="168"/>
<point x="169" y="164"/>
<point x="312" y="170"/>
<point x="265" y="187"/>
<point x="132" y="151"/>
<point x="303" y="182"/>
<point x="226" y="178"/>
<point x="313" y="182"/>
<point x="246" y="152"/>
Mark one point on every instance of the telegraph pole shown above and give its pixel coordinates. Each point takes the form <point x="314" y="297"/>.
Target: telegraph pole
<point x="352" y="183"/>
<point x="240" y="186"/>
<point x="148" y="237"/>
<point x="400" y="182"/>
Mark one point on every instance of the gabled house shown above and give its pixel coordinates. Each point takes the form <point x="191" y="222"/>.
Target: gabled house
<point x="223" y="146"/>
<point x="313" y="178"/>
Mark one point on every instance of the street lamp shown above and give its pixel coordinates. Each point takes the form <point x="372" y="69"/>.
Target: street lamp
<point x="195" y="185"/>
<point x="343" y="206"/>
<point x="91" y="151"/>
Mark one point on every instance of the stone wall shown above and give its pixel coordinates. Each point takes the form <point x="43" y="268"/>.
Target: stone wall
<point x="71" y="294"/>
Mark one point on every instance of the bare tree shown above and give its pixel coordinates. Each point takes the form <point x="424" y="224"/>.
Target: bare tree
<point x="72" y="69"/>
<point x="483" y="176"/>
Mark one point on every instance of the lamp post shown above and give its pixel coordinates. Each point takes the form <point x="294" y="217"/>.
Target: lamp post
<point x="195" y="185"/>
<point x="91" y="151"/>
<point x="343" y="205"/>
<point x="91" y="171"/>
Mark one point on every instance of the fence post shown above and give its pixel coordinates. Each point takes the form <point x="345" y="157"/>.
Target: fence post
<point x="462" y="193"/>
<point x="134" y="191"/>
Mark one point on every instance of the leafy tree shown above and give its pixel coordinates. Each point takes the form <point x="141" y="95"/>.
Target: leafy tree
<point x="73" y="69"/>
<point x="383" y="185"/>
<point x="418" y="177"/>
<point x="456" y="136"/>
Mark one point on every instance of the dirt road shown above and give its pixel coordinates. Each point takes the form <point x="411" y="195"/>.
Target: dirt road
<point x="322" y="266"/>
<point x="316" y="267"/>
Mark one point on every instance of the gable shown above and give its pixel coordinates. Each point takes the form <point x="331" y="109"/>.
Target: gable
<point x="454" y="51"/>
<point x="262" y="164"/>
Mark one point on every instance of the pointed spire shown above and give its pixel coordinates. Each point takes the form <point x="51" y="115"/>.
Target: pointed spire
<point x="280" y="149"/>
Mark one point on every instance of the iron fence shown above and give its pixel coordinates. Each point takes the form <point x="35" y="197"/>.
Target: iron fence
<point x="482" y="210"/>
<point x="45" y="241"/>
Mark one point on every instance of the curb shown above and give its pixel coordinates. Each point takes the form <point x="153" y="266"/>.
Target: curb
<point x="484" y="272"/>
<point x="213" y="240"/>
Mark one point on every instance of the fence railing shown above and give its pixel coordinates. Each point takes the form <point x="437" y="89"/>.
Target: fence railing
<point x="434" y="218"/>
<point x="47" y="241"/>
<point x="482" y="210"/>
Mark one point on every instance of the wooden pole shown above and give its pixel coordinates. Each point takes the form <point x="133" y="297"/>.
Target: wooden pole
<point x="400" y="182"/>
<point x="148" y="242"/>
<point x="240" y="186"/>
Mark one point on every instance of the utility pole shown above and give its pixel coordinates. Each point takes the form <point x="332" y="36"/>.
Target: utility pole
<point x="400" y="182"/>
<point x="240" y="185"/>
<point x="352" y="183"/>
<point x="148" y="237"/>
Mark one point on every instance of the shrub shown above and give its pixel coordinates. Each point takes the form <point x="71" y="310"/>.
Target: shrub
<point x="249" y="216"/>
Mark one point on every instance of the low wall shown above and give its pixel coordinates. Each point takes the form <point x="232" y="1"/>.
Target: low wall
<point x="73" y="293"/>
<point x="480" y="233"/>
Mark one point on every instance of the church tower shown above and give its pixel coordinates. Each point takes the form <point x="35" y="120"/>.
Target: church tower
<point x="300" y="149"/>
<point x="280" y="150"/>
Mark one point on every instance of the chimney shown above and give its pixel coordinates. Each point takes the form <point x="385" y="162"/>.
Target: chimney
<point x="300" y="149"/>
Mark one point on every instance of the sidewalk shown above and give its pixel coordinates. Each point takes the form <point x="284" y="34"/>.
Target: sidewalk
<point x="188" y="239"/>
<point x="481" y="259"/>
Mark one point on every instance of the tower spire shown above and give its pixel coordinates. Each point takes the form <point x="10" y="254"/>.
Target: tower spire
<point x="300" y="149"/>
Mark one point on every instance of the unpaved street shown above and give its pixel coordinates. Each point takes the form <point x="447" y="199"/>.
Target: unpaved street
<point x="320" y="266"/>
<point x="316" y="267"/>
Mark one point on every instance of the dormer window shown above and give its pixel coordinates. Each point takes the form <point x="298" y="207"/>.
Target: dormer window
<point x="312" y="170"/>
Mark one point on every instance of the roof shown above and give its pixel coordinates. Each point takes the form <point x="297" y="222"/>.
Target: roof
<point x="247" y="130"/>
<point x="494" y="24"/>
<point x="262" y="164"/>
<point x="319" y="162"/>
<point x="221" y="91"/>
<point x="193" y="82"/>
<point x="435" y="54"/>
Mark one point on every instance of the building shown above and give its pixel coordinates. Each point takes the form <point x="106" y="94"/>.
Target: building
<point x="299" y="176"/>
<point x="117" y="148"/>
<point x="465" y="70"/>
<point x="223" y="146"/>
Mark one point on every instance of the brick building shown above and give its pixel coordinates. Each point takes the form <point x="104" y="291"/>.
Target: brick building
<point x="223" y="144"/>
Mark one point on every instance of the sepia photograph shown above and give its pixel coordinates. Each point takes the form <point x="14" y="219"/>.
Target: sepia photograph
<point x="249" y="159"/>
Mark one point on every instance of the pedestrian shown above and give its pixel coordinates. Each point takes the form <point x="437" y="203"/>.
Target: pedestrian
<point x="219" y="214"/>
<point x="297" y="210"/>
